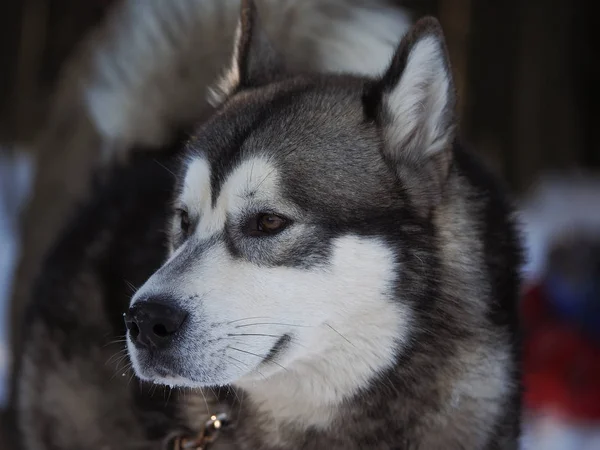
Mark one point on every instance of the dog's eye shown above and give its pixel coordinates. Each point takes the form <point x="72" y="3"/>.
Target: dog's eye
<point x="266" y="224"/>
<point x="184" y="221"/>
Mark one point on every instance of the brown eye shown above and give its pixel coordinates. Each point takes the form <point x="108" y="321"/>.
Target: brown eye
<point x="184" y="221"/>
<point x="265" y="224"/>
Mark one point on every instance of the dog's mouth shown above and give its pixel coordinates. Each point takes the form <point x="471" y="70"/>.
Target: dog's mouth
<point x="280" y="347"/>
<point x="158" y="367"/>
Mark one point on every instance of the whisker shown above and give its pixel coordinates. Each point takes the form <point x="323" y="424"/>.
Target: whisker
<point x="242" y="394"/>
<point x="259" y="356"/>
<point x="248" y="318"/>
<point x="205" y="402"/>
<point x="124" y="358"/>
<point x="235" y="363"/>
<point x="341" y="335"/>
<point x="121" y="370"/>
<point x="241" y="362"/>
<point x="265" y="178"/>
<point x="117" y="341"/>
<point x="237" y="397"/>
<point x="212" y="390"/>
<point x="253" y="334"/>
<point x="247" y="352"/>
<point x="117" y="360"/>
<point x="252" y="369"/>
<point x="131" y="378"/>
<point x="169" y="396"/>
<point x="116" y="355"/>
<point x="164" y="167"/>
<point x="240" y="341"/>
<point x="236" y="341"/>
<point x="131" y="286"/>
<point x="272" y="323"/>
<point x="119" y="364"/>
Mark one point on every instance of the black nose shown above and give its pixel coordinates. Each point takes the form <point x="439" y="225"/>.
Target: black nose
<point x="152" y="324"/>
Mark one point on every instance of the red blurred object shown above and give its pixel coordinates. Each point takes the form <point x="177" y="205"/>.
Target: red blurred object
<point x="561" y="365"/>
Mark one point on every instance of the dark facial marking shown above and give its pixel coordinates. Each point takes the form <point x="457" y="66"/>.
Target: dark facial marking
<point x="222" y="138"/>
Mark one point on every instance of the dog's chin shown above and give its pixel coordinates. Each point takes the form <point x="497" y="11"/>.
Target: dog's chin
<point x="163" y="372"/>
<point x="166" y="367"/>
<point x="171" y="375"/>
<point x="155" y="368"/>
<point x="158" y="368"/>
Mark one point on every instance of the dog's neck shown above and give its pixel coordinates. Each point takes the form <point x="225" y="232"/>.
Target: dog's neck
<point x="342" y="361"/>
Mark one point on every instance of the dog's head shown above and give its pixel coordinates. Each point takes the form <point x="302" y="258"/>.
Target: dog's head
<point x="302" y="209"/>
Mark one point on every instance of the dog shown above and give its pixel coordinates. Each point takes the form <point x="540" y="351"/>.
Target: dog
<point x="339" y="261"/>
<point x="141" y="77"/>
<point x="123" y="96"/>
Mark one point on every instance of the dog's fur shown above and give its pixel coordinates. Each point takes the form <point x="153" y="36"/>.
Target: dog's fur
<point x="383" y="316"/>
<point x="388" y="300"/>
<point x="150" y="65"/>
<point x="142" y="76"/>
<point x="73" y="392"/>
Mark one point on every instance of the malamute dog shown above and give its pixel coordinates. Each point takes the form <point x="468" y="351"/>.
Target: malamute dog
<point x="341" y="274"/>
<point x="340" y="260"/>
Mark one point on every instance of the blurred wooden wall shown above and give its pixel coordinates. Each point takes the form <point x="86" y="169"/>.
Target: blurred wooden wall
<point x="528" y="77"/>
<point x="37" y="36"/>
<point x="532" y="86"/>
<point x="527" y="74"/>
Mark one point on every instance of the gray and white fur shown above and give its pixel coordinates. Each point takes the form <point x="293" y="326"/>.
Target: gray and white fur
<point x="379" y="311"/>
<point x="137" y="80"/>
<point x="341" y="273"/>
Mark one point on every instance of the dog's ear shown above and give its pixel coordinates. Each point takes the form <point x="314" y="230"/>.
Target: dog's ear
<point x="415" y="101"/>
<point x="254" y="63"/>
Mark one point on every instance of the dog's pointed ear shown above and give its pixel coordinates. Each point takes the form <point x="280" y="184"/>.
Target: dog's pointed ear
<point x="415" y="100"/>
<point x="254" y="63"/>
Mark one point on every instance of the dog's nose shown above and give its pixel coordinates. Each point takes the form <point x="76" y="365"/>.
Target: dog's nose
<point x="152" y="324"/>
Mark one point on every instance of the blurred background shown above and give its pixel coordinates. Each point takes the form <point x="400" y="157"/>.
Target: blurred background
<point x="528" y="78"/>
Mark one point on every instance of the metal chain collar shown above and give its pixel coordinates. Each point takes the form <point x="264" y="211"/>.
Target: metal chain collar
<point x="206" y="437"/>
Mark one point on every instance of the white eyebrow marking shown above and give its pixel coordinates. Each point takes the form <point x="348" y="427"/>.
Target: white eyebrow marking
<point x="256" y="176"/>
